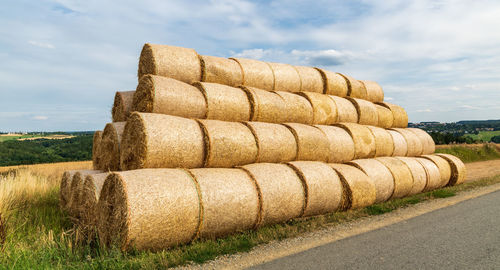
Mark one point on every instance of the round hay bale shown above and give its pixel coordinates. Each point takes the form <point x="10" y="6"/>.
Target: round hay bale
<point x="281" y="192"/>
<point x="275" y="143"/>
<point x="346" y="111"/>
<point x="228" y="144"/>
<point x="266" y="106"/>
<point x="312" y="143"/>
<point x="341" y="144"/>
<point x="323" y="189"/>
<point x="356" y="89"/>
<point x="418" y="172"/>
<point x="374" y="92"/>
<point x="110" y="146"/>
<point x="298" y="108"/>
<point x="286" y="77"/>
<point x="334" y="83"/>
<point x="225" y="102"/>
<point x="458" y="169"/>
<point x="324" y="108"/>
<point x="428" y="145"/>
<point x="399" y="116"/>
<point x="358" y="189"/>
<point x="156" y="94"/>
<point x="432" y="172"/>
<point x="65" y="189"/>
<point x="385" y="118"/>
<point x="149" y="209"/>
<point x="364" y="141"/>
<point x="230" y="201"/>
<point x="161" y="141"/>
<point x="367" y="112"/>
<point x="220" y="70"/>
<point x="384" y="144"/>
<point x="74" y="205"/>
<point x="310" y="79"/>
<point x="413" y="142"/>
<point x="178" y="63"/>
<point x="122" y="106"/>
<point x="92" y="186"/>
<point x="381" y="176"/>
<point x="443" y="166"/>
<point x="256" y="73"/>
<point x="403" y="179"/>
<point x="400" y="144"/>
<point x="96" y="156"/>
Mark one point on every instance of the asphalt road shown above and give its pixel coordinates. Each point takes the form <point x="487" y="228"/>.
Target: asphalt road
<point x="461" y="236"/>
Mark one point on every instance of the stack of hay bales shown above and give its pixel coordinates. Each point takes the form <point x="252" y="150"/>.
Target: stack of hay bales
<point x="208" y="146"/>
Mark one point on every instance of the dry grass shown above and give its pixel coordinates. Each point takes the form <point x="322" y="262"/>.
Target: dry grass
<point x="51" y="169"/>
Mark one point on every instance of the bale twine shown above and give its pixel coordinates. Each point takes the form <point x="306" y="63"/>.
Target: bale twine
<point x="374" y="92"/>
<point x="156" y="94"/>
<point x="310" y="79"/>
<point x="230" y="201"/>
<point x="381" y="176"/>
<point x="358" y="189"/>
<point x="298" y="108"/>
<point x="220" y="70"/>
<point x="275" y="143"/>
<point x="400" y="145"/>
<point x="65" y="189"/>
<point x="149" y="209"/>
<point x="74" y="205"/>
<point x="443" y="166"/>
<point x="225" y="102"/>
<point x="110" y="146"/>
<point x="312" y="143"/>
<point x="413" y="142"/>
<point x="346" y="111"/>
<point x="256" y="73"/>
<point x="161" y="141"/>
<point x="367" y="112"/>
<point x="341" y="144"/>
<point x="92" y="186"/>
<point x="266" y="106"/>
<point x="177" y="63"/>
<point x="399" y="116"/>
<point x="228" y="144"/>
<point x="403" y="179"/>
<point x="364" y="141"/>
<point x="334" y="83"/>
<point x="356" y="89"/>
<point x="458" y="169"/>
<point x="281" y="192"/>
<point x="96" y="156"/>
<point x="384" y="144"/>
<point x="323" y="189"/>
<point x="122" y="106"/>
<point x="385" y="118"/>
<point x="324" y="108"/>
<point x="286" y="77"/>
<point x="428" y="145"/>
<point x="418" y="173"/>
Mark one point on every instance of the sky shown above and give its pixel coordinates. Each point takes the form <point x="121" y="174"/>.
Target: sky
<point x="62" y="61"/>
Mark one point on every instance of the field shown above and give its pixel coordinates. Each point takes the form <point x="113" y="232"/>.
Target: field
<point x="10" y="137"/>
<point x="485" y="136"/>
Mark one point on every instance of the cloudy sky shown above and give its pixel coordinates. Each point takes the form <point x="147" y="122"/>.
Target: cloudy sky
<point x="62" y="61"/>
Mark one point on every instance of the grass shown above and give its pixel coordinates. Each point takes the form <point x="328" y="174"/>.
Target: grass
<point x="15" y="137"/>
<point x="472" y="154"/>
<point x="484" y="136"/>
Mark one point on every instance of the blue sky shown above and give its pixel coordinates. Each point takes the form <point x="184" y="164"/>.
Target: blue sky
<point x="62" y="61"/>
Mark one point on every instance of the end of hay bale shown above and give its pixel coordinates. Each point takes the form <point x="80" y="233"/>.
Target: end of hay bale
<point x="312" y="143"/>
<point x="418" y="172"/>
<point x="403" y="179"/>
<point x="458" y="169"/>
<point x="346" y="111"/>
<point x="298" y="108"/>
<point x="74" y="203"/>
<point x="443" y="166"/>
<point x="266" y="106"/>
<point x="385" y="117"/>
<point x="381" y="176"/>
<point x="400" y="144"/>
<point x="400" y="117"/>
<point x="333" y="83"/>
<point x="428" y="145"/>
<point x="286" y="77"/>
<point x="359" y="189"/>
<point x="367" y="112"/>
<point x="310" y="79"/>
<point x="324" y="108"/>
<point x="374" y="92"/>
<point x="144" y="95"/>
<point x="356" y="89"/>
<point x="412" y="140"/>
<point x="225" y="102"/>
<point x="221" y="70"/>
<point x="341" y="144"/>
<point x="96" y="156"/>
<point x="275" y="143"/>
<point x="65" y="188"/>
<point x="122" y="106"/>
<point x="432" y="172"/>
<point x="364" y="141"/>
<point x="110" y="146"/>
<point x="384" y="144"/>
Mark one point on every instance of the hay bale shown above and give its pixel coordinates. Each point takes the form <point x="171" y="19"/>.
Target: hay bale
<point x="281" y="192"/>
<point x="228" y="144"/>
<point x="275" y="143"/>
<point x="74" y="206"/>
<point x="161" y="141"/>
<point x="400" y="145"/>
<point x="384" y="144"/>
<point x="323" y="189"/>
<point x="367" y="112"/>
<point x="266" y="106"/>
<point x="178" y="63"/>
<point x="399" y="115"/>
<point x="358" y="189"/>
<point x="310" y="79"/>
<point x="298" y="108"/>
<point x="432" y="173"/>
<point x="256" y="73"/>
<point x="334" y="83"/>
<point x="443" y="166"/>
<point x="96" y="156"/>
<point x="385" y="118"/>
<point x="364" y="141"/>
<point x="225" y="102"/>
<point x="312" y="143"/>
<point x="413" y="142"/>
<point x="341" y="144"/>
<point x="428" y="145"/>
<point x="346" y="111"/>
<point x="156" y="94"/>
<point x="220" y="70"/>
<point x="149" y="209"/>
<point x="403" y="179"/>
<point x="230" y="201"/>
<point x="324" y="108"/>
<point x="65" y="189"/>
<point x="91" y="190"/>
<point x="374" y="92"/>
<point x="286" y="77"/>
<point x="381" y="176"/>
<point x="356" y="89"/>
<point x="122" y="106"/>
<point x="418" y="172"/>
<point x="110" y="146"/>
<point x="458" y="169"/>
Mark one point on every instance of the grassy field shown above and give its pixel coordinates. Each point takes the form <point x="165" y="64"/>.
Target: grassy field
<point x="473" y="153"/>
<point x="485" y="136"/>
<point x="4" y="138"/>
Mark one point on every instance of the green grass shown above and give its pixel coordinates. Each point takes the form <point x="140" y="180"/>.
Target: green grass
<point x="9" y="138"/>
<point x="471" y="154"/>
<point x="485" y="136"/>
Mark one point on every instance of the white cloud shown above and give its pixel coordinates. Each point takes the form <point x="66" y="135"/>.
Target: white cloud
<point x="41" y="44"/>
<point x="425" y="110"/>
<point x="40" y="117"/>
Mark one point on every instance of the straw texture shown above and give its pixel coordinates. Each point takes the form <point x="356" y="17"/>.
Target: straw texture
<point x="122" y="106"/>
<point x="110" y="146"/>
<point x="312" y="143"/>
<point x="400" y="118"/>
<point x="385" y="118"/>
<point x="324" y="108"/>
<point x="298" y="108"/>
<point x="310" y="79"/>
<point x="91" y="190"/>
<point x="381" y="176"/>
<point x="413" y="142"/>
<point x="403" y="179"/>
<point x="74" y="205"/>
<point x="356" y="89"/>
<point x="428" y="145"/>
<point x="334" y="84"/>
<point x="96" y="157"/>
<point x="400" y="144"/>
<point x="458" y="170"/>
<point x="358" y="189"/>
<point x="374" y="92"/>
<point x="286" y="77"/>
<point x="220" y="70"/>
<point x="367" y="112"/>
<point x="418" y="173"/>
<point x="364" y="142"/>
<point x="432" y="172"/>
<point x="65" y="189"/>
<point x="275" y="142"/>
<point x="346" y="111"/>
<point x="341" y="144"/>
<point x="443" y="166"/>
<point x="266" y="106"/>
<point x="256" y="73"/>
<point x="384" y="144"/>
<point x="225" y="102"/>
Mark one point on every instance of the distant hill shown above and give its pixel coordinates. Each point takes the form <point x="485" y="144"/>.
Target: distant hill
<point x="479" y="122"/>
